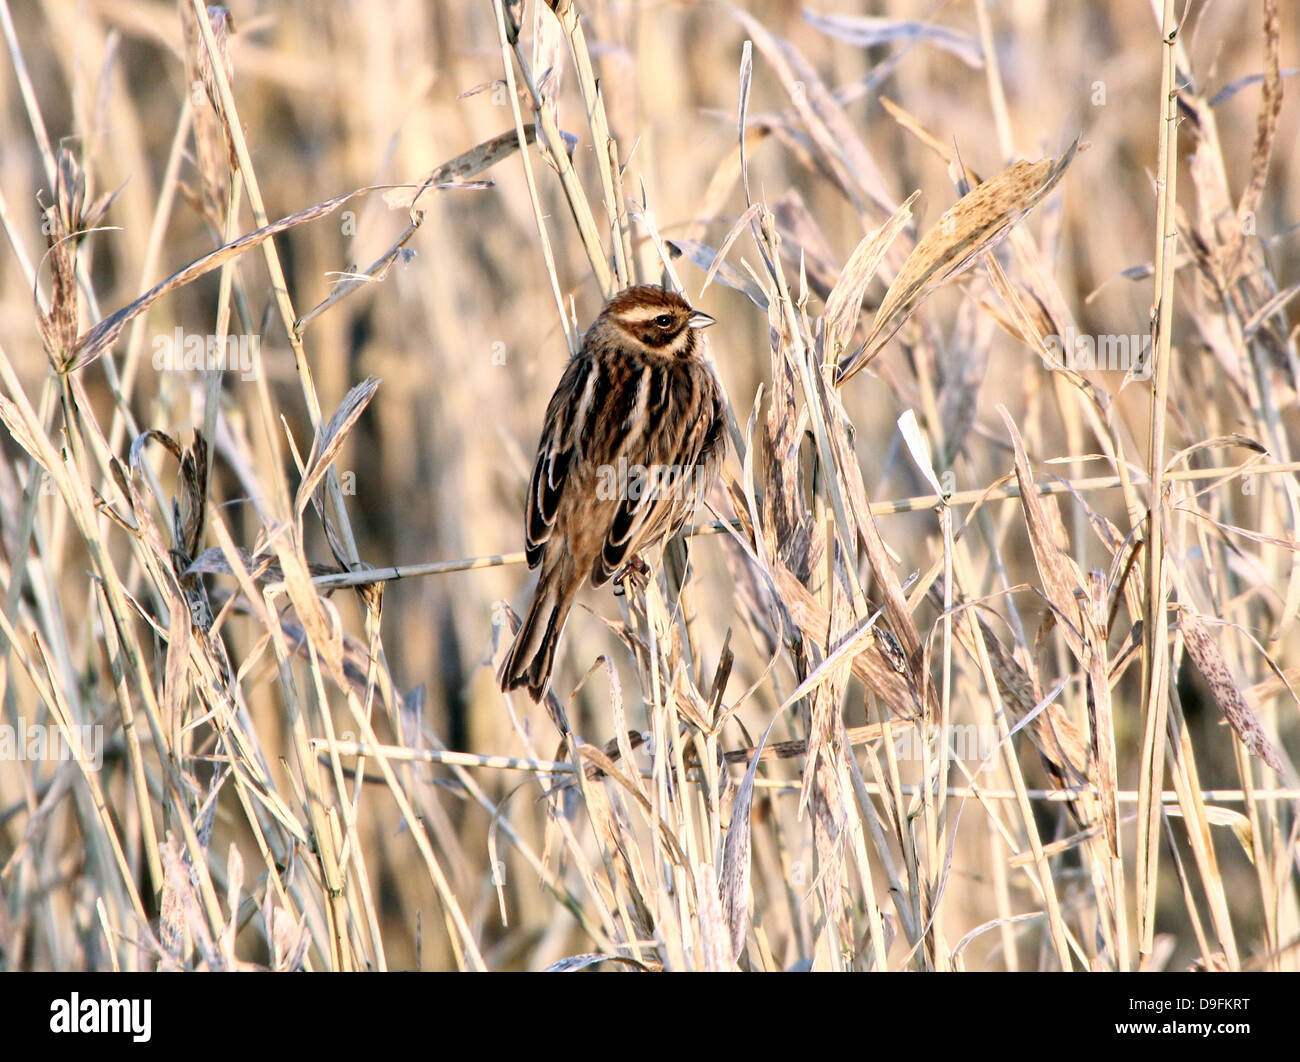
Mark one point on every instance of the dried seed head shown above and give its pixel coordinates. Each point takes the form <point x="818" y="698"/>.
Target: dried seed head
<point x="213" y="146"/>
<point x="975" y="224"/>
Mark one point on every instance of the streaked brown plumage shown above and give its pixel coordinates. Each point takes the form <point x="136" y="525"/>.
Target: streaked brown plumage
<point x="638" y="395"/>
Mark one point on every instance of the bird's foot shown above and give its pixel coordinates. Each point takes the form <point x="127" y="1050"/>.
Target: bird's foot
<point x="635" y="572"/>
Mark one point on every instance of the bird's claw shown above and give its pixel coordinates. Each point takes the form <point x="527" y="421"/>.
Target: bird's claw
<point x="636" y="572"/>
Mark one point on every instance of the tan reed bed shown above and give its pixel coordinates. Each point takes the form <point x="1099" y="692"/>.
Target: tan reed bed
<point x="983" y="657"/>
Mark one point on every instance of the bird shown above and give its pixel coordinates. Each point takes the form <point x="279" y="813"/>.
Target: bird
<point x="634" y="436"/>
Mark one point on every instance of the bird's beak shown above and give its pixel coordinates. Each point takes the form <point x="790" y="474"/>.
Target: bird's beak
<point x="700" y="319"/>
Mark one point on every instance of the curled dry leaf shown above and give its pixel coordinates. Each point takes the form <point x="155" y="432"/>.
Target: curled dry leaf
<point x="1215" y="815"/>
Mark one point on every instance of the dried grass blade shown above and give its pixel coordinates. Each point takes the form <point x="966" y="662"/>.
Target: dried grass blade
<point x="95" y="342"/>
<point x="336" y="431"/>
<point x="466" y="165"/>
<point x="734" y="881"/>
<point x="866" y="31"/>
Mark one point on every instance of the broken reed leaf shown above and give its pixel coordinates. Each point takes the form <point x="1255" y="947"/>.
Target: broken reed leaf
<point x="847" y="645"/>
<point x="742" y="108"/>
<point x="832" y="139"/>
<point x="348" y="282"/>
<point x="1272" y="306"/>
<point x="866" y="31"/>
<point x="879" y="673"/>
<point x="909" y="122"/>
<point x="719" y="258"/>
<point x="1210" y="662"/>
<point x="972" y="226"/>
<point x="721" y="676"/>
<point x="845" y="300"/>
<point x="468" y="164"/>
<point x="11" y="416"/>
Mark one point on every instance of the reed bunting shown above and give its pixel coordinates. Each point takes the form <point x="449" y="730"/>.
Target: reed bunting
<point x="634" y="437"/>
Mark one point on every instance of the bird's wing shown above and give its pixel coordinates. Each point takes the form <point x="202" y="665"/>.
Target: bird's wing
<point x="678" y="450"/>
<point x="555" y="452"/>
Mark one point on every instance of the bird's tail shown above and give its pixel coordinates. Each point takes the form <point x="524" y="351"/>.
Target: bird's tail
<point x="532" y="655"/>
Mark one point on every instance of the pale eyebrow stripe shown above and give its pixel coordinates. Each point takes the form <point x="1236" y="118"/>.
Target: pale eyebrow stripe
<point x="647" y="313"/>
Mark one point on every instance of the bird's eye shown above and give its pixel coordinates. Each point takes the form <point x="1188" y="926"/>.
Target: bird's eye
<point x="664" y="320"/>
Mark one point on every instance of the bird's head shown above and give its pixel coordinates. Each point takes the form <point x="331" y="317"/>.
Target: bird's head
<point x="655" y="319"/>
